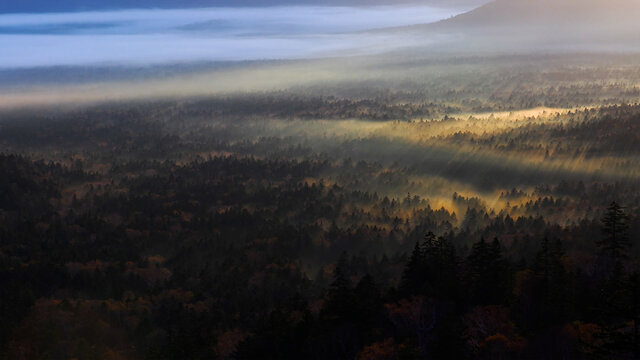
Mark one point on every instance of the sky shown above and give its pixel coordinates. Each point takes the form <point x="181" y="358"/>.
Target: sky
<point x="168" y="36"/>
<point x="48" y="6"/>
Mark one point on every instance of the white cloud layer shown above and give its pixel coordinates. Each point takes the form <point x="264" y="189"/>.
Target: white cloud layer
<point x="163" y="36"/>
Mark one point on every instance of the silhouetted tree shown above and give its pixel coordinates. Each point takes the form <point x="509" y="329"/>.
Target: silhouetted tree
<point x="614" y="243"/>
<point x="549" y="283"/>
<point x="340" y="301"/>
<point x="369" y="308"/>
<point x="441" y="267"/>
<point x="413" y="274"/>
<point x="485" y="270"/>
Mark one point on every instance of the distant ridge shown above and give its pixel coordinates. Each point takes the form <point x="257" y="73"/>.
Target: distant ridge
<point x="509" y="24"/>
<point x="545" y="12"/>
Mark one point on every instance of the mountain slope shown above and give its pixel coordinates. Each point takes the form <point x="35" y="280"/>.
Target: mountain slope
<point x="548" y="12"/>
<point x="550" y="24"/>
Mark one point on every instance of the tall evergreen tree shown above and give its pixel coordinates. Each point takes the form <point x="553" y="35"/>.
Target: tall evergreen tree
<point x="614" y="243"/>
<point x="340" y="301"/>
<point x="549" y="277"/>
<point x="413" y="275"/>
<point x="634" y="311"/>
<point x="485" y="273"/>
<point x="431" y="269"/>
<point x="620" y="335"/>
<point x="441" y="267"/>
<point x="369" y="304"/>
<point x="429" y="244"/>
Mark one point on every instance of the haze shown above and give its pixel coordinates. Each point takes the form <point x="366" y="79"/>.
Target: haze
<point x="170" y="36"/>
<point x="341" y="179"/>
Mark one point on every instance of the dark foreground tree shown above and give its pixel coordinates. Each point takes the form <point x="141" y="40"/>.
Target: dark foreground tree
<point x="614" y="243"/>
<point x="413" y="275"/>
<point x="486" y="273"/>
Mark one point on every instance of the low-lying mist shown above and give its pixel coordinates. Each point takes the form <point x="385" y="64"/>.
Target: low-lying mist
<point x="404" y="76"/>
<point x="475" y="155"/>
<point x="134" y="37"/>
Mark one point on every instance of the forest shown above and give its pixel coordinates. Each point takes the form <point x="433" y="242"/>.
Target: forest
<point x="486" y="210"/>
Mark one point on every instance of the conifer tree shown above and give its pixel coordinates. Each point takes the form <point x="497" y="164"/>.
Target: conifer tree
<point x="486" y="272"/>
<point x="340" y="301"/>
<point x="550" y="276"/>
<point x="440" y="266"/>
<point x="413" y="275"/>
<point x="614" y="243"/>
<point x="369" y="304"/>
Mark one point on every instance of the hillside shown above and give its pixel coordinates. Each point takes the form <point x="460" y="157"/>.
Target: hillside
<point x="548" y="12"/>
<point x="521" y="24"/>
